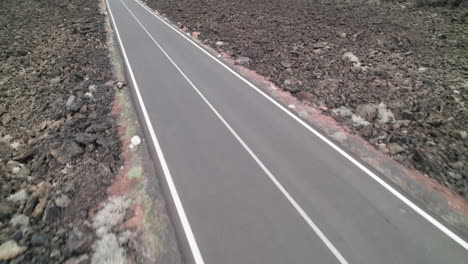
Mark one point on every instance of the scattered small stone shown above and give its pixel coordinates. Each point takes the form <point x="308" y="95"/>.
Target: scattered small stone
<point x="6" y="209"/>
<point x="457" y="165"/>
<point x="39" y="239"/>
<point x="55" y="80"/>
<point x="339" y="136"/>
<point x="96" y="128"/>
<point x="92" y="88"/>
<point x="367" y="111"/>
<point x="74" y="103"/>
<point x="83" y="85"/>
<point x="244" y="61"/>
<point x="303" y="114"/>
<point x="19" y="196"/>
<point x="10" y="249"/>
<point x="422" y="69"/>
<point x="385" y="115"/>
<point x="343" y="35"/>
<point x="342" y="111"/>
<point x="290" y="86"/>
<point x="382" y="146"/>
<point x="41" y="190"/>
<point x="15" y="144"/>
<point x="17" y="235"/>
<point x="31" y="204"/>
<point x="63" y="201"/>
<point x="21" y="221"/>
<point x="120" y="85"/>
<point x="51" y="213"/>
<point x="395" y="148"/>
<point x="460" y="134"/>
<point x="17" y="169"/>
<point x="67" y="151"/>
<point x="352" y="58"/>
<point x="85" y="138"/>
<point x="135" y="141"/>
<point x="286" y="64"/>
<point x="6" y="138"/>
<point x="455" y="175"/>
<point x="196" y="34"/>
<point x="358" y="121"/>
<point x="29" y="153"/>
<point x="81" y="239"/>
<point x="55" y="253"/>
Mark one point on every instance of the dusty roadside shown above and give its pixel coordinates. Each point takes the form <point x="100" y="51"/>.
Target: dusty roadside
<point x="390" y="71"/>
<point x="74" y="187"/>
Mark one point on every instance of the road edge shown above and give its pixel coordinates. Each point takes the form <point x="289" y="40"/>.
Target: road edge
<point x="184" y="243"/>
<point x="138" y="179"/>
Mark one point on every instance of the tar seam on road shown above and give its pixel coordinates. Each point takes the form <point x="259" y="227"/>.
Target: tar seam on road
<point x="175" y="196"/>
<point x="309" y="221"/>
<point x="387" y="186"/>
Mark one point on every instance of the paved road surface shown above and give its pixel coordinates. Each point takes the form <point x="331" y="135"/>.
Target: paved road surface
<point x="249" y="182"/>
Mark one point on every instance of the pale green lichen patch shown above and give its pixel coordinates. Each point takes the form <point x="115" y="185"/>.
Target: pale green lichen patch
<point x="135" y="172"/>
<point x="126" y="119"/>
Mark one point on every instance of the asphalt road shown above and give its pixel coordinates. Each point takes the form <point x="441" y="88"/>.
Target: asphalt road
<point x="251" y="182"/>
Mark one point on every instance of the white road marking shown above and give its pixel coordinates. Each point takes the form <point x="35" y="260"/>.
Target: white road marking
<point x="175" y="196"/>
<point x="309" y="221"/>
<point x="400" y="196"/>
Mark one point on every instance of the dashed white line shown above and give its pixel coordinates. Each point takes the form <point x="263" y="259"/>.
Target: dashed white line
<point x="309" y="221"/>
<point x="175" y="196"/>
<point x="358" y="164"/>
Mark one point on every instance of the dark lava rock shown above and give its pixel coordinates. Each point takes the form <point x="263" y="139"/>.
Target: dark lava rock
<point x="67" y="151"/>
<point x="39" y="239"/>
<point x="5" y="210"/>
<point x="31" y="204"/>
<point x="74" y="103"/>
<point x="85" y="138"/>
<point x="95" y="128"/>
<point x="51" y="213"/>
<point x="17" y="235"/>
<point x="367" y="111"/>
<point x="81" y="239"/>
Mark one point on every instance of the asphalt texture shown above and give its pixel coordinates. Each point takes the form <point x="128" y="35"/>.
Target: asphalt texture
<point x="256" y="186"/>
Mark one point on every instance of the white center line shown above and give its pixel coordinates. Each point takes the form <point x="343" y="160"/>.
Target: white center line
<point x="358" y="164"/>
<point x="309" y="221"/>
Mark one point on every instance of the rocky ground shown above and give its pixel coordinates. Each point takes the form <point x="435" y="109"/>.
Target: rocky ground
<point x="394" y="72"/>
<point x="59" y="146"/>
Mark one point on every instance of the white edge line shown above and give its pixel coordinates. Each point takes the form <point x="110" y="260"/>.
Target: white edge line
<point x="314" y="227"/>
<point x="408" y="202"/>
<point x="175" y="196"/>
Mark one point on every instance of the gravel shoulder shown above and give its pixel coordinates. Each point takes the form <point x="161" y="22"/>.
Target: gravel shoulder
<point x="394" y="73"/>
